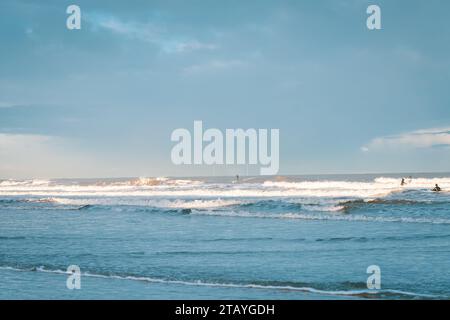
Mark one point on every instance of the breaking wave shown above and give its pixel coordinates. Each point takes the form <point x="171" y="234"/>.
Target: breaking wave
<point x="308" y="200"/>
<point x="335" y="217"/>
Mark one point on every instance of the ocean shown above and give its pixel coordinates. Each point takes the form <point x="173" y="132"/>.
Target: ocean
<point x="290" y="237"/>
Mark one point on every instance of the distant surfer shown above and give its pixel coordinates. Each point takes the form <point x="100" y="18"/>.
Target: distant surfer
<point x="403" y="182"/>
<point x="436" y="188"/>
<point x="237" y="178"/>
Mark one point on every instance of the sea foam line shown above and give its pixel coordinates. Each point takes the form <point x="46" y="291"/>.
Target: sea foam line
<point x="334" y="217"/>
<point x="360" y="293"/>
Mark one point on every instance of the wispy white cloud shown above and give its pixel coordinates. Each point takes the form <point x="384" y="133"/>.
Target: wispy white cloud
<point x="34" y="155"/>
<point x="424" y="138"/>
<point x="5" y="104"/>
<point x="21" y="140"/>
<point x="22" y="154"/>
<point x="151" y="33"/>
<point x="409" y="54"/>
<point x="213" y="65"/>
<point x="192" y="45"/>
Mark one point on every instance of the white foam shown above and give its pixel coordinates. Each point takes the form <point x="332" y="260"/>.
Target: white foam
<point x="157" y="203"/>
<point x="235" y="285"/>
<point x="179" y="193"/>
<point x="379" y="187"/>
<point x="333" y="217"/>
<point x="15" y="183"/>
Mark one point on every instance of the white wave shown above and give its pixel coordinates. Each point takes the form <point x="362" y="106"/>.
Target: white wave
<point x="336" y="188"/>
<point x="361" y="293"/>
<point x="162" y="181"/>
<point x="198" y="204"/>
<point x="222" y="191"/>
<point x="322" y="205"/>
<point x="323" y="208"/>
<point x="42" y="200"/>
<point x="157" y="203"/>
<point x="15" y="183"/>
<point x="334" y="217"/>
<point x="179" y="188"/>
<point x="416" y="183"/>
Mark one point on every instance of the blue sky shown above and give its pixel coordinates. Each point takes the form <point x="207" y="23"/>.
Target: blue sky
<point x="102" y="101"/>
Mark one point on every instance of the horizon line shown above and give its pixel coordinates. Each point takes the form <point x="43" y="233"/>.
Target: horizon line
<point x="228" y="176"/>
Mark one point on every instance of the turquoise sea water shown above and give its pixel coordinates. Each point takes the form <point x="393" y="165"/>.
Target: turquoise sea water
<point x="295" y="237"/>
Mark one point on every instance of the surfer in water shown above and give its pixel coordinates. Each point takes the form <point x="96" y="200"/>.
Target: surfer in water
<point x="403" y="182"/>
<point x="436" y="188"/>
